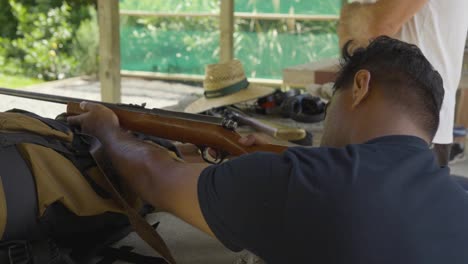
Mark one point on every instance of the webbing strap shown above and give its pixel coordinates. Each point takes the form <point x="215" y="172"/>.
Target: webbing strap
<point x="57" y="125"/>
<point x="20" y="198"/>
<point x="139" y="224"/>
<point x="32" y="252"/>
<point x="125" y="253"/>
<point x="9" y="139"/>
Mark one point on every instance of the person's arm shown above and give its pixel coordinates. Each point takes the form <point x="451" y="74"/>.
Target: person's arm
<point x="239" y="202"/>
<point x="149" y="170"/>
<point x="361" y="22"/>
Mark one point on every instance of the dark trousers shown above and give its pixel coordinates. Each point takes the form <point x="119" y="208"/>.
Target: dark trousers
<point x="442" y="152"/>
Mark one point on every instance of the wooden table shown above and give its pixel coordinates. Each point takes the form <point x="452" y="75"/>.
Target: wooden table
<point x="318" y="72"/>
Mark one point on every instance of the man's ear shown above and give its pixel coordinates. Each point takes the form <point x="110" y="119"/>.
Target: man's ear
<point x="361" y="87"/>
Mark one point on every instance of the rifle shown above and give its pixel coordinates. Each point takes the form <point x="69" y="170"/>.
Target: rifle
<point x="200" y="130"/>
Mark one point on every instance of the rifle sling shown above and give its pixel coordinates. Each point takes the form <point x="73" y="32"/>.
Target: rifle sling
<point x="139" y="224"/>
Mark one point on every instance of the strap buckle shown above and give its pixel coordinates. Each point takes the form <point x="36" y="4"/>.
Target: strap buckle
<point x="18" y="252"/>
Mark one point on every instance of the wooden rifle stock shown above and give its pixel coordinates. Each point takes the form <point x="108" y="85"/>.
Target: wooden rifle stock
<point x="182" y="130"/>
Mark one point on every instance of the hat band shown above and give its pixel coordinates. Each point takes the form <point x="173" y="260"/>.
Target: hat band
<point x="228" y="90"/>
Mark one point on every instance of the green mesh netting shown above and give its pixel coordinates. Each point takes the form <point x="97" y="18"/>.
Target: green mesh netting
<point x="186" y="45"/>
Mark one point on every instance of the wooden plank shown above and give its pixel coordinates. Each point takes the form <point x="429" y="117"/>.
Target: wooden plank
<point x="318" y="72"/>
<point x="192" y="77"/>
<point x="462" y="109"/>
<point x="244" y="15"/>
<point x="109" y="50"/>
<point x="226" y="27"/>
<point x="461" y="114"/>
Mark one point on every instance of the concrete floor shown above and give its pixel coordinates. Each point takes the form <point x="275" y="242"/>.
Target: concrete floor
<point x="187" y="244"/>
<point x="460" y="168"/>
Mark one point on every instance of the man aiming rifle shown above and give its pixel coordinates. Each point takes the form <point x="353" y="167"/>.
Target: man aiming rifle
<point x="372" y="193"/>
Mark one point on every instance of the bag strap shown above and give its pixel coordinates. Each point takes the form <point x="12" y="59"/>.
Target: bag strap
<point x="55" y="124"/>
<point x="125" y="253"/>
<point x="13" y="252"/>
<point x="14" y="138"/>
<point x="32" y="252"/>
<point x="139" y="224"/>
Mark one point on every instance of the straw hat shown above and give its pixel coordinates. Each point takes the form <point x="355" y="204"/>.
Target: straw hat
<point x="226" y="84"/>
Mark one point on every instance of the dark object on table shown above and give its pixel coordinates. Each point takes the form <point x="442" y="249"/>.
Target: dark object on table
<point x="270" y="105"/>
<point x="304" y="108"/>
<point x="291" y="104"/>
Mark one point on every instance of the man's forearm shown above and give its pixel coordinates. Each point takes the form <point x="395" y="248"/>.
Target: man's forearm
<point x="362" y="22"/>
<point x="148" y="169"/>
<point x="157" y="177"/>
<point x="135" y="161"/>
<point x="353" y="24"/>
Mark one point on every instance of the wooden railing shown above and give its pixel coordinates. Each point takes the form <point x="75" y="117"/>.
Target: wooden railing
<point x="258" y="16"/>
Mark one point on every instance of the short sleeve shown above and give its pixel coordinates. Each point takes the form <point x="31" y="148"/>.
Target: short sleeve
<point x="243" y="200"/>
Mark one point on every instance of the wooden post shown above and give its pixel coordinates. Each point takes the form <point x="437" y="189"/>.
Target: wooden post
<point x="226" y="26"/>
<point x="291" y="22"/>
<point x="461" y="115"/>
<point x="109" y="50"/>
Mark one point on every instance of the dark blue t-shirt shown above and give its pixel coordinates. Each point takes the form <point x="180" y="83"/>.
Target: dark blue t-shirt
<point x="385" y="201"/>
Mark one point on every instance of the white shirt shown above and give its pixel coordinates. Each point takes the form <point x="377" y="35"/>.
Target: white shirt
<point x="439" y="29"/>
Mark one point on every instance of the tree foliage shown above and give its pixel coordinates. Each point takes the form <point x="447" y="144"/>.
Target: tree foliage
<point x="39" y="40"/>
<point x="54" y="39"/>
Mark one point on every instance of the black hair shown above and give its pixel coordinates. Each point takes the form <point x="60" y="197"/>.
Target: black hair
<point x="406" y="76"/>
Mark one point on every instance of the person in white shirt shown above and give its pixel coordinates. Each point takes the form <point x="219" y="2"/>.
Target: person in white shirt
<point x="438" y="27"/>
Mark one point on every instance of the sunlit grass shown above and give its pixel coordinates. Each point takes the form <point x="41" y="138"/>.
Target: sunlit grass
<point x="9" y="81"/>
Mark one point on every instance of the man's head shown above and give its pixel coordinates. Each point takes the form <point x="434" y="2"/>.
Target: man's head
<point x="389" y="87"/>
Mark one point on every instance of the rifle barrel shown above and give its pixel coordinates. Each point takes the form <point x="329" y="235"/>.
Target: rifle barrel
<point x="42" y="97"/>
<point x="130" y="107"/>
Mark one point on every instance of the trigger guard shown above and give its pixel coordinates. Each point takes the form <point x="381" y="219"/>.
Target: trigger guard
<point x="220" y="155"/>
